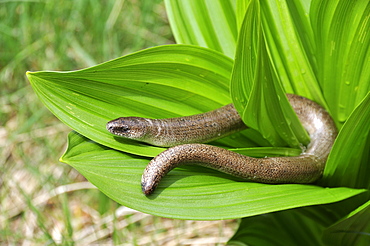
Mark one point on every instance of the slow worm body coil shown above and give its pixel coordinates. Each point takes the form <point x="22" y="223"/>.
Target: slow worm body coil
<point x="185" y="134"/>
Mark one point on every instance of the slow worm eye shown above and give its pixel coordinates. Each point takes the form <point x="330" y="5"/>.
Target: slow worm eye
<point x="124" y="129"/>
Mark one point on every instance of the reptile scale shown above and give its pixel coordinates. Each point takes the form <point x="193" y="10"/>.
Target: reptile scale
<point x="184" y="135"/>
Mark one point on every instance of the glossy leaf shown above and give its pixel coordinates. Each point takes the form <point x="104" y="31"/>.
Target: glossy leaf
<point x="241" y="7"/>
<point x="282" y="228"/>
<point x="246" y="58"/>
<point x="354" y="229"/>
<point x="189" y="192"/>
<point x="161" y="82"/>
<point x="287" y="41"/>
<point x="314" y="225"/>
<point x="256" y="88"/>
<point x="299" y="13"/>
<point x="342" y="39"/>
<point x="207" y="23"/>
<point x="348" y="163"/>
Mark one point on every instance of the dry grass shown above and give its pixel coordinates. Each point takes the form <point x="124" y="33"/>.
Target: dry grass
<point x="46" y="202"/>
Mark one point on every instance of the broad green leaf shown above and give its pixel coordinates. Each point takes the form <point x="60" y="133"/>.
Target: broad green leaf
<point x="241" y="7"/>
<point x="246" y="58"/>
<point x="314" y="225"/>
<point x="269" y="96"/>
<point x="343" y="40"/>
<point x="190" y="192"/>
<point x="354" y="229"/>
<point x="299" y="11"/>
<point x="288" y="50"/>
<point x="256" y="88"/>
<point x="207" y="23"/>
<point x="281" y="228"/>
<point x="308" y="225"/>
<point x="348" y="162"/>
<point x="161" y="82"/>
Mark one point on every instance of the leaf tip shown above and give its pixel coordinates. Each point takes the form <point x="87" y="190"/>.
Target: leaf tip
<point x="29" y="75"/>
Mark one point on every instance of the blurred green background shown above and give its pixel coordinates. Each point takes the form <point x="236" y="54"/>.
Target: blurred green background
<point x="47" y="202"/>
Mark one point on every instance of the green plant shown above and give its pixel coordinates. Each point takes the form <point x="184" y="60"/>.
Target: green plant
<point x="317" y="49"/>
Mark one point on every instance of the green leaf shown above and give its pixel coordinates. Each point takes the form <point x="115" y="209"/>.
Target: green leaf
<point x="343" y="40"/>
<point x="241" y="7"/>
<point x="354" y="229"/>
<point x="288" y="49"/>
<point x="315" y="225"/>
<point x="190" y="192"/>
<point x="282" y="228"/>
<point x="299" y="12"/>
<point x="207" y="23"/>
<point x="161" y="82"/>
<point x="245" y="63"/>
<point x="256" y="88"/>
<point x="348" y="162"/>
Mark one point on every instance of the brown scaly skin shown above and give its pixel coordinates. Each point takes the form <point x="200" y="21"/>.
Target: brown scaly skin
<point x="306" y="168"/>
<point x="200" y="128"/>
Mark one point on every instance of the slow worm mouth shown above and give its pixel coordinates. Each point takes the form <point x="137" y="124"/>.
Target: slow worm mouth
<point x="116" y="127"/>
<point x="110" y="126"/>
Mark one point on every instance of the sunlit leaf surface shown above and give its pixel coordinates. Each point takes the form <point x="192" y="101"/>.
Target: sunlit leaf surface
<point x="190" y="192"/>
<point x="341" y="32"/>
<point x="256" y="87"/>
<point x="161" y="82"/>
<point x="207" y="23"/>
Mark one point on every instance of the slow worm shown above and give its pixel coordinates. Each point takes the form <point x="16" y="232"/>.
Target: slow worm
<point x="185" y="134"/>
